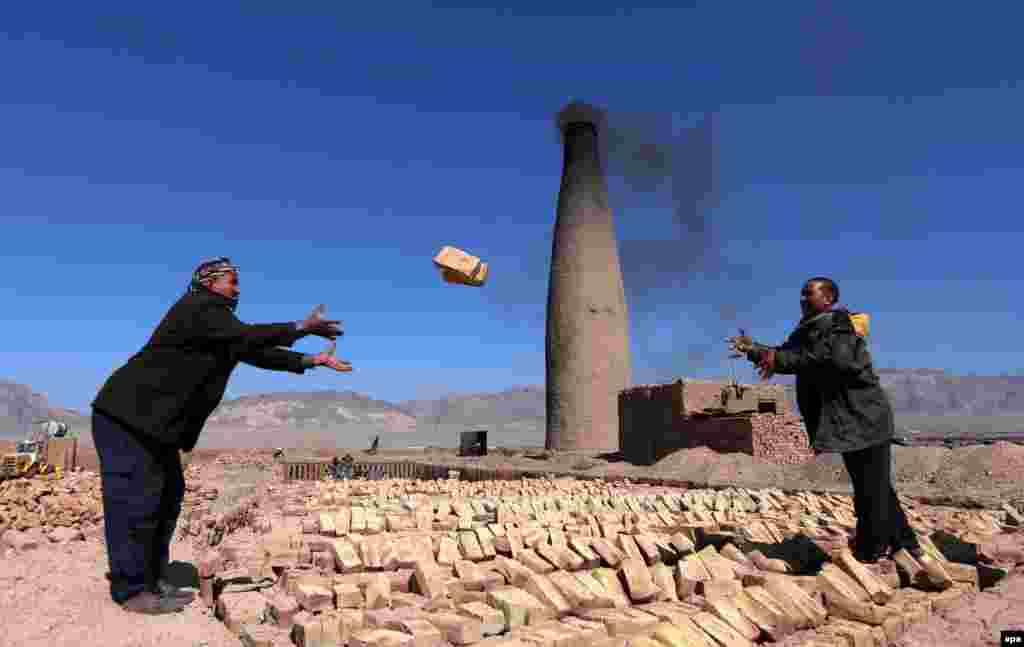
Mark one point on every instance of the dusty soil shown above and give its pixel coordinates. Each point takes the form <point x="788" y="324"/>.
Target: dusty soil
<point x="59" y="596"/>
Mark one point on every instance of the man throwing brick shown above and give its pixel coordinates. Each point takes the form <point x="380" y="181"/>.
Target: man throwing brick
<point x="845" y="410"/>
<point x="156" y="404"/>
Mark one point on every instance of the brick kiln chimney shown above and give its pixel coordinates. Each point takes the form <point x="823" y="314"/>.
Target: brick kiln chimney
<point x="588" y="361"/>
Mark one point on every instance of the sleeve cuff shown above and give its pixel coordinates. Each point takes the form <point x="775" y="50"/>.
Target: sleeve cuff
<point x="307" y="361"/>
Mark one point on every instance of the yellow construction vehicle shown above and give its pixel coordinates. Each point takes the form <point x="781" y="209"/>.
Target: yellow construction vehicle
<point x="48" y="451"/>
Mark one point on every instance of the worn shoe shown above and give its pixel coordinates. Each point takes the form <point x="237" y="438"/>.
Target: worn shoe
<point x="869" y="556"/>
<point x="168" y="590"/>
<point x="152" y="604"/>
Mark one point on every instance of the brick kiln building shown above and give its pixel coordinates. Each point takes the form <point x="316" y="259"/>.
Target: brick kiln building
<point x="755" y="419"/>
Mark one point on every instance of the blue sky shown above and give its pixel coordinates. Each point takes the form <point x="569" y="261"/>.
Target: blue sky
<point x="331" y="150"/>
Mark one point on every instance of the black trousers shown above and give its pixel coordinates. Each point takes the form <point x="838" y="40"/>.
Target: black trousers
<point x="143" y="488"/>
<point x="881" y="522"/>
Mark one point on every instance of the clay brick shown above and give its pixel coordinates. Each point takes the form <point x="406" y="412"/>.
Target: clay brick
<point x="648" y="548"/>
<point x="515" y="573"/>
<point x="553" y="555"/>
<point x="865" y="612"/>
<point x="209" y="564"/>
<point x="262" y="636"/>
<point x="853" y="634"/>
<point x="378" y="592"/>
<point x="326" y="524"/>
<point x="346" y="559"/>
<point x="519" y="607"/>
<point x="448" y="551"/>
<point x="458" y="630"/>
<point x="719" y="589"/>
<point x="639" y="584"/>
<point x="722" y="632"/>
<point x="349" y="622"/>
<point x="689" y="572"/>
<point x="542" y="588"/>
<point x="773" y="625"/>
<point x="237" y="609"/>
<point x="730" y="614"/>
<point x="347" y="596"/>
<point x="342" y="520"/>
<point x="380" y="638"/>
<point x="628" y="622"/>
<point x="606" y="587"/>
<point x="486" y="540"/>
<point x="307" y="631"/>
<point x="281" y="608"/>
<point x="492" y="621"/>
<point x="429" y="581"/>
<point x="314" y="598"/>
<point x="583" y="591"/>
<point x="783" y="606"/>
<point x="582" y="547"/>
<point x="783" y="587"/>
<point x="470" y="546"/>
<point x="877" y="590"/>
<point x="627" y="543"/>
<point x="839" y="582"/>
<point x="685" y="634"/>
<point x="589" y="632"/>
<point x="609" y="554"/>
<point x="535" y="562"/>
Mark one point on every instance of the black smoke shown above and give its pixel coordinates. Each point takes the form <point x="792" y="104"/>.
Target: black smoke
<point x="665" y="186"/>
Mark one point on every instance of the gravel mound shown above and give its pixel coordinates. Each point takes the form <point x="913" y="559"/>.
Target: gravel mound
<point x="986" y="466"/>
<point x="918" y="464"/>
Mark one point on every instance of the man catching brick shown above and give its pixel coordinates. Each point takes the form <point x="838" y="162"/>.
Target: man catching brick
<point x="156" y="404"/>
<point x="845" y="410"/>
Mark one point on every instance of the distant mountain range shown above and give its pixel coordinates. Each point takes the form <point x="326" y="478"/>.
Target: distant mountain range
<point x="514" y="416"/>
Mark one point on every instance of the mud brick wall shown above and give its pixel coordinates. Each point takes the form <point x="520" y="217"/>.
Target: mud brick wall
<point x="726" y="435"/>
<point x="657" y="419"/>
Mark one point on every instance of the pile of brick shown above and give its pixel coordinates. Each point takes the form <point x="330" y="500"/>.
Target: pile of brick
<point x="68" y="502"/>
<point x="246" y="457"/>
<point x="203" y="527"/>
<point x="553" y="562"/>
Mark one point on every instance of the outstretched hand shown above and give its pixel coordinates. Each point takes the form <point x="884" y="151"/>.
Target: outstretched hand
<point x="330" y="361"/>
<point x="315" y="324"/>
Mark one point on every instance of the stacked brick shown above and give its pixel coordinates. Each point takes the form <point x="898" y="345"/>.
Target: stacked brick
<point x="72" y="501"/>
<point x="543" y="563"/>
<point x="655" y="420"/>
<point x="781" y="439"/>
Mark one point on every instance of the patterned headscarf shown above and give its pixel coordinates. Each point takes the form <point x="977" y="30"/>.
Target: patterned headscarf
<point x="209" y="270"/>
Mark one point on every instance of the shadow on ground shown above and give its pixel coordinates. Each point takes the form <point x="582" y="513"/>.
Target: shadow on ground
<point x="183" y="575"/>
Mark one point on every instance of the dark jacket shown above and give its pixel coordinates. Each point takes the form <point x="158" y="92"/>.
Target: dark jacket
<point x="840" y="398"/>
<point x="167" y="390"/>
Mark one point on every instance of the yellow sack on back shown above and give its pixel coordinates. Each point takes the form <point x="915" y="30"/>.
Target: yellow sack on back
<point x="861" y="323"/>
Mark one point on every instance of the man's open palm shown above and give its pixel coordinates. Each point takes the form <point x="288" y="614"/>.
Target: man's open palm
<point x="330" y="361"/>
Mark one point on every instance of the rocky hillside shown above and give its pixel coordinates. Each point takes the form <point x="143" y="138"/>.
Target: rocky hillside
<point x="927" y="392"/>
<point x="480" y="408"/>
<point x="322" y="408"/>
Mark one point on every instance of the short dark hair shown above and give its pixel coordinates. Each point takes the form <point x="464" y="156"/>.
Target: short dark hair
<point x="828" y="284"/>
